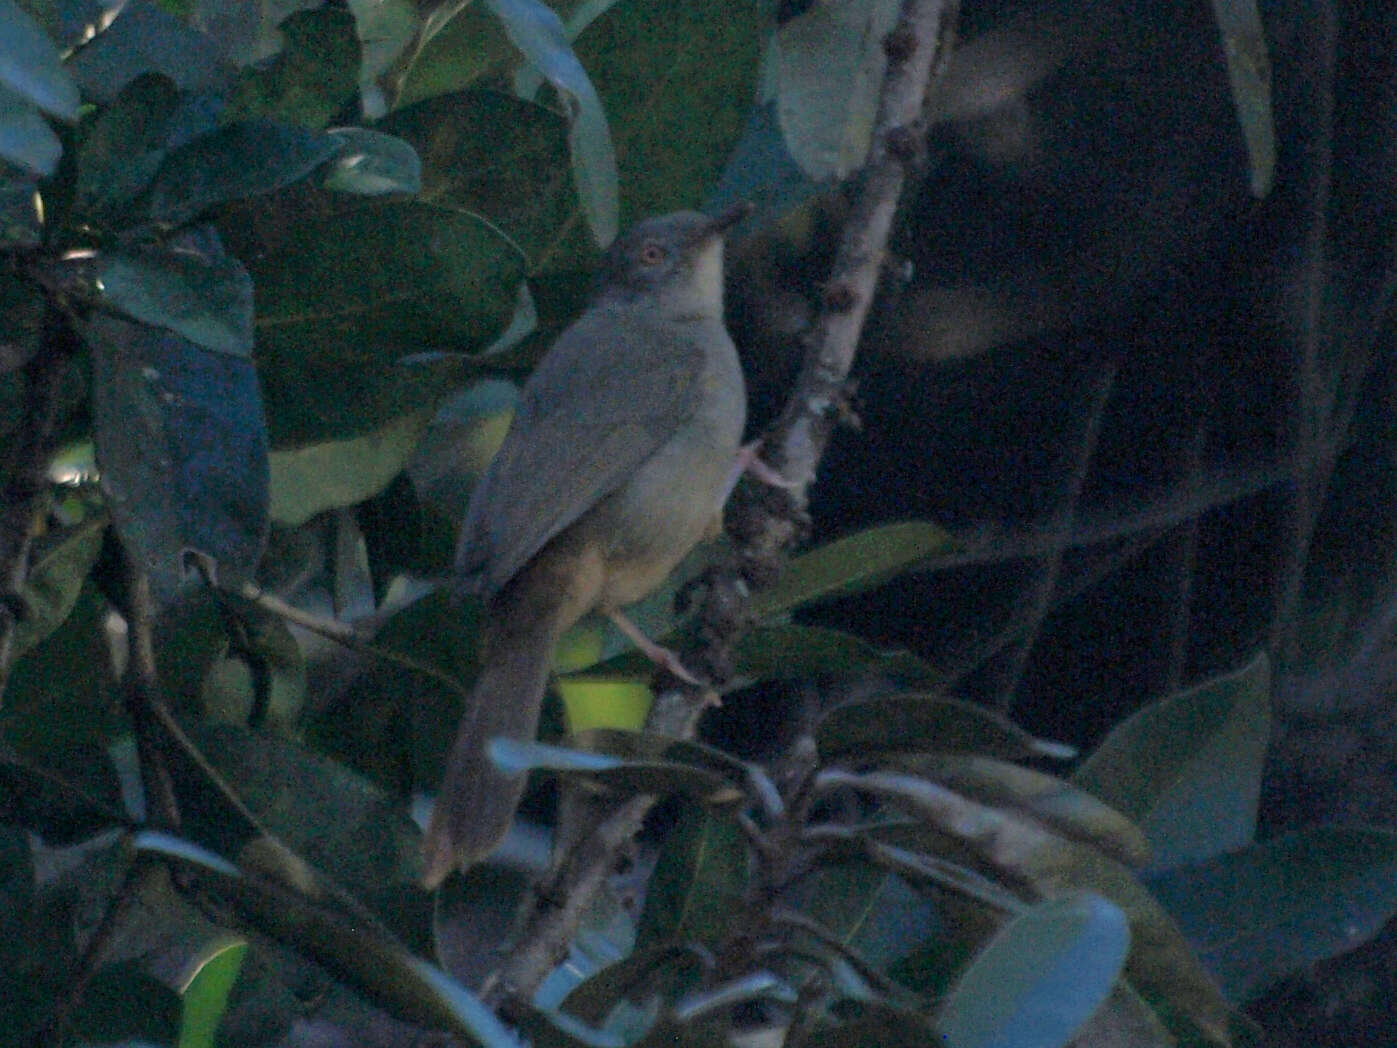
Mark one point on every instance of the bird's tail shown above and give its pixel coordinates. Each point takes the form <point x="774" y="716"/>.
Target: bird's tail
<point x="476" y="802"/>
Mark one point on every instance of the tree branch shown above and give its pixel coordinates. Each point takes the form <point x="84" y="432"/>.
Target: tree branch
<point x="767" y="527"/>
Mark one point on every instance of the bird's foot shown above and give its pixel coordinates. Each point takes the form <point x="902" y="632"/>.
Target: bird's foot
<point x="656" y="653"/>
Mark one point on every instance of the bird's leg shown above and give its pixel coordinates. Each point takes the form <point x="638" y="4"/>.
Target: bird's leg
<point x="656" y="653"/>
<point x="749" y="460"/>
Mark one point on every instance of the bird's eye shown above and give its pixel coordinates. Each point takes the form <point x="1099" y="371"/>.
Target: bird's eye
<point x="652" y="254"/>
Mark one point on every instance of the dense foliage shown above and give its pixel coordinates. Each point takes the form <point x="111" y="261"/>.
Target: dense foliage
<point x="270" y="272"/>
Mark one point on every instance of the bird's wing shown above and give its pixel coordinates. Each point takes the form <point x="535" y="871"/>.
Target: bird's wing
<point x="613" y="389"/>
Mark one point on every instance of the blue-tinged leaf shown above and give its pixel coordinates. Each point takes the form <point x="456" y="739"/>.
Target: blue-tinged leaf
<point x="123" y="149"/>
<point x="29" y="65"/>
<point x="1187" y="770"/>
<point x="371" y="163"/>
<point x="26" y="140"/>
<point x="205" y="298"/>
<point x="237" y="161"/>
<point x="539" y="35"/>
<point x="144" y="39"/>
<point x="1269" y="910"/>
<point x="180" y="440"/>
<point x="1039" y="978"/>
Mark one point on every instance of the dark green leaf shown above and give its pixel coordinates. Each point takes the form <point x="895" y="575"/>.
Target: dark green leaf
<point x="666" y="969"/>
<point x="144" y="39"/>
<point x="232" y="163"/>
<point x="371" y="163"/>
<point x="123" y="149"/>
<point x="850" y="565"/>
<point x="312" y="78"/>
<point x="58" y="565"/>
<point x="799" y="652"/>
<point x="205" y="994"/>
<point x="1187" y="770"/>
<point x="21" y="225"/>
<point x="1040" y="978"/>
<point x="538" y="33"/>
<point x="122" y="1002"/>
<point x="641" y="746"/>
<point x="347" y="286"/>
<point x="205" y="298"/>
<point x="452" y="56"/>
<point x="179" y="438"/>
<point x="677" y="81"/>
<point x="503" y="157"/>
<point x="871" y="911"/>
<point x="696" y="892"/>
<point x="913" y="723"/>
<point x="1271" y="909"/>
<point x="875" y="1024"/>
<point x="26" y="139"/>
<point x="29" y="65"/>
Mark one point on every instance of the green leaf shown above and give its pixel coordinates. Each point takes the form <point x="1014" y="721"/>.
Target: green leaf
<point x="1040" y="978"/>
<point x="309" y="480"/>
<point x="614" y="774"/>
<point x="1188" y="769"/>
<point x="1249" y="71"/>
<point x="29" y="65"/>
<point x="58" y="565"/>
<point x="487" y="153"/>
<point x="347" y="286"/>
<point x="207" y="298"/>
<point x="697" y="889"/>
<point x="538" y="34"/>
<point x="677" y="81"/>
<point x="234" y="162"/>
<point x="371" y="163"/>
<point x="851" y="565"/>
<point x="1062" y="807"/>
<point x="62" y="802"/>
<point x="384" y="28"/>
<point x="311" y="80"/>
<point x="123" y="149"/>
<point x="179" y="437"/>
<point x="786" y="652"/>
<point x="26" y="139"/>
<point x="205" y="993"/>
<point x="828" y="67"/>
<point x="871" y="911"/>
<point x="643" y="746"/>
<point x="913" y="723"/>
<point x="1272" y="909"/>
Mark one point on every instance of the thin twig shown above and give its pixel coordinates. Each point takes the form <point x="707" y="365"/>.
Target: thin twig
<point x="25" y="498"/>
<point x="916" y="47"/>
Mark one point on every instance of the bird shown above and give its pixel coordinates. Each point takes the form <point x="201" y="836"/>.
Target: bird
<point x="624" y="444"/>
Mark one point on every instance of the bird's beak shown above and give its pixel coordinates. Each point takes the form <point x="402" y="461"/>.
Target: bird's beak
<point x="726" y="219"/>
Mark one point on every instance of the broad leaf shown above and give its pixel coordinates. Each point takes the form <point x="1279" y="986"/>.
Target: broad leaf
<point x="29" y="65"/>
<point x="371" y="163"/>
<point x="1271" y="909"/>
<point x="850" y="565"/>
<point x="310" y="480"/>
<point x="234" y="162"/>
<point x="26" y="139"/>
<point x="538" y="34"/>
<point x="123" y="149"/>
<point x="206" y="990"/>
<point x="206" y="297"/>
<point x="1187" y="770"/>
<point x="179" y="438"/>
<point x="801" y="652"/>
<point x="144" y="39"/>
<point x="614" y="774"/>
<point x="698" y="885"/>
<point x="1040" y="978"/>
